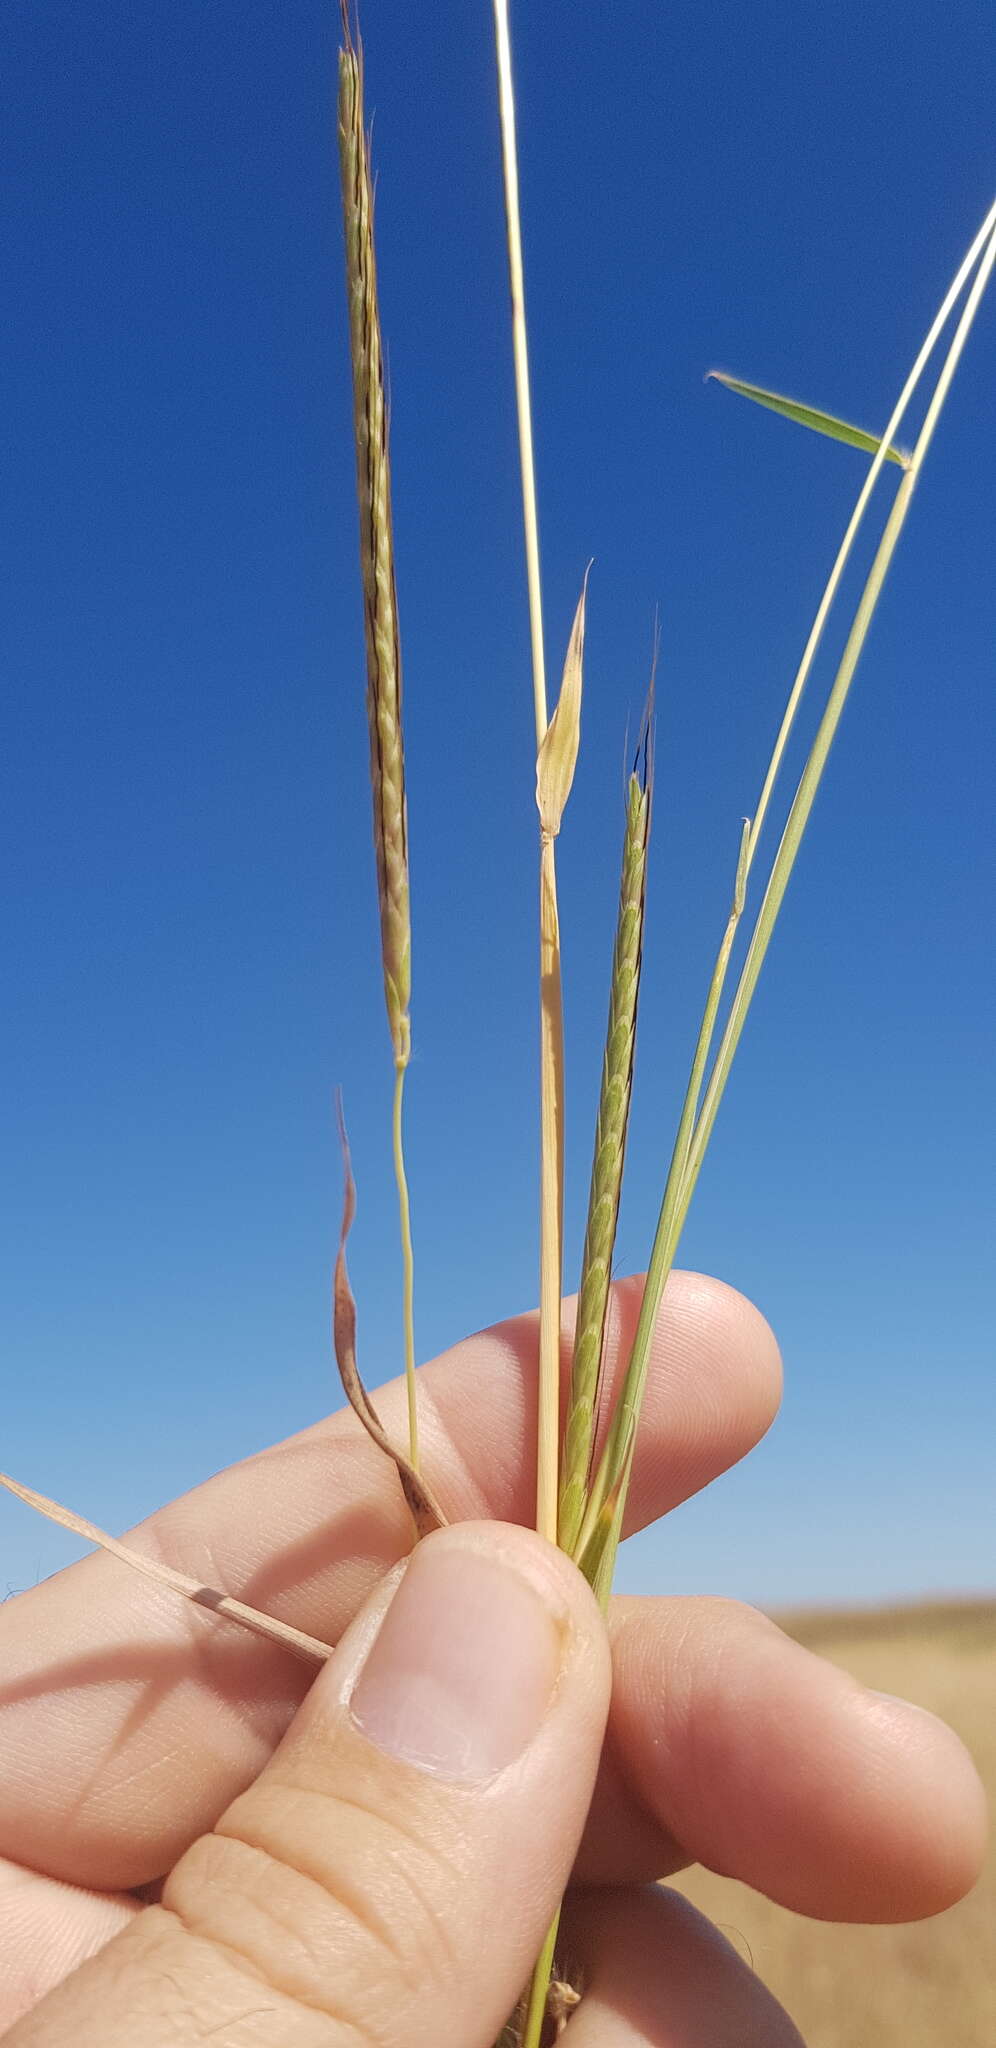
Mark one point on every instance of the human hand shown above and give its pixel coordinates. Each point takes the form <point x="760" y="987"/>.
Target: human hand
<point x="386" y="1874"/>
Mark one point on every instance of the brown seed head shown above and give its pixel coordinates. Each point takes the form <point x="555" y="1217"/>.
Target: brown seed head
<point x="373" y="485"/>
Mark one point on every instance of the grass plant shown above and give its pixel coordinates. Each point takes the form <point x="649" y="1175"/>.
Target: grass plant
<point x="580" y="1497"/>
<point x="383" y="644"/>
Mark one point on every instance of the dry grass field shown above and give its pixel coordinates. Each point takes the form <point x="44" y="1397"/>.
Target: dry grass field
<point x="932" y="1985"/>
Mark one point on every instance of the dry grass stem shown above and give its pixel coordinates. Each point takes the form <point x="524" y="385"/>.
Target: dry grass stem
<point x="380" y="614"/>
<point x="551" y="1000"/>
<point x="520" y="356"/>
<point x="307" y="1647"/>
<point x="609" y="1156"/>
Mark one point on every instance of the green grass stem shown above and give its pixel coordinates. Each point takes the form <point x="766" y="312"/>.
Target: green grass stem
<point x="532" y="2029"/>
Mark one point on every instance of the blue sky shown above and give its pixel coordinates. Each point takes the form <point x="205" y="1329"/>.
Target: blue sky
<point x="188" y="924"/>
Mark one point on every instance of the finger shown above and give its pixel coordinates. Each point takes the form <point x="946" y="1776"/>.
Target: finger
<point x="128" y="1719"/>
<point x="731" y="1745"/>
<point x="390" y="1876"/>
<point x="48" y="1930"/>
<point x="658" y="1975"/>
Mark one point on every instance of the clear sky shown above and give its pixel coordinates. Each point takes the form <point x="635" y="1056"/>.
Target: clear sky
<point x="188" y="921"/>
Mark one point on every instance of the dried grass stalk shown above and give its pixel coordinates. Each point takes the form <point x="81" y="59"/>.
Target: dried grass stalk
<point x="610" y="1152"/>
<point x="383" y="647"/>
<point x="294" y="1639"/>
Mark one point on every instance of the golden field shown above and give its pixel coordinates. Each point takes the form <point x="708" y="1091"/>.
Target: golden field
<point x="932" y="1985"/>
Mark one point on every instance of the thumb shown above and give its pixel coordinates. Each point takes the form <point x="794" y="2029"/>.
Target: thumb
<point x="390" y="1876"/>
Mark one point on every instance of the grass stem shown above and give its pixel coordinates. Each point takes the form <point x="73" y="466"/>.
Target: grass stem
<point x="532" y="2030"/>
<point x="551" y="995"/>
<point x="407" y="1258"/>
<point x="520" y="353"/>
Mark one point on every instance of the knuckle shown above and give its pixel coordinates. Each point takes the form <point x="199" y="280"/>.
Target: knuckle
<point x="329" y="1901"/>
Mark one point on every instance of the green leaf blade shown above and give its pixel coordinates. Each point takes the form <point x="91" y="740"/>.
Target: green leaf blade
<point x="810" y="416"/>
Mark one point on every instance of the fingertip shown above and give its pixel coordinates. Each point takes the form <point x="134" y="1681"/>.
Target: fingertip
<point x="767" y="1763"/>
<point x="713" y="1390"/>
<point x="941" y="1849"/>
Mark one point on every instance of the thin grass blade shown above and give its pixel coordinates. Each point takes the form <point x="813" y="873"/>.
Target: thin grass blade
<point x="811" y="416"/>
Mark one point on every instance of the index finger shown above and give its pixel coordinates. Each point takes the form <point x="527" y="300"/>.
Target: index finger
<point x="129" y="1719"/>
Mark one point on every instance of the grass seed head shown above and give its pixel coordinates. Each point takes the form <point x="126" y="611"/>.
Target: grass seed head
<point x="380" y="605"/>
<point x="609" y="1155"/>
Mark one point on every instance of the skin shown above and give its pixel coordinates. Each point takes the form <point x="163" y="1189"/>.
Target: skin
<point x="143" y="1741"/>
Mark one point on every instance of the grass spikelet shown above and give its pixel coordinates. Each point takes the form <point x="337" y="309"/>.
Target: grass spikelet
<point x="380" y="617"/>
<point x="610" y="1151"/>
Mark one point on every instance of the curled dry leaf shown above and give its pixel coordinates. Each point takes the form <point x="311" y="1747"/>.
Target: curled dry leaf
<point x="561" y="2001"/>
<point x="425" y="1510"/>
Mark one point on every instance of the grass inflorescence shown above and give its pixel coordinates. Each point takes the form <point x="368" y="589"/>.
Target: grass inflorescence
<point x="380" y="620"/>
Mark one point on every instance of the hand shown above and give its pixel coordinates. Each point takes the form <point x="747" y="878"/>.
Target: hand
<point x="378" y="1864"/>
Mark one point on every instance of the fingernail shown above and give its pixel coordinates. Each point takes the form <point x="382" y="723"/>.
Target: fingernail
<point x="462" y="1670"/>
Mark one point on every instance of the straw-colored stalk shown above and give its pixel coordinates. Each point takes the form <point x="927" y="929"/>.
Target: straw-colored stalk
<point x="609" y="1154"/>
<point x="380" y="611"/>
<point x="551" y="998"/>
<point x="208" y="1598"/>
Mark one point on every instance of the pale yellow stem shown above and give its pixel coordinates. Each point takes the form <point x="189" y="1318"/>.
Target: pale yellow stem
<point x="520" y="352"/>
<point x="408" y="1262"/>
<point x="551" y="1001"/>
<point x="551" y="1197"/>
<point x="532" y="2033"/>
